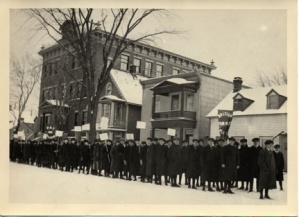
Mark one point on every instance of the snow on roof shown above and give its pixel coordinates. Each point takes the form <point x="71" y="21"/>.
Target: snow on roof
<point x="56" y="102"/>
<point x="26" y="115"/>
<point x="129" y="88"/>
<point x="112" y="97"/>
<point x="259" y="106"/>
<point x="175" y="81"/>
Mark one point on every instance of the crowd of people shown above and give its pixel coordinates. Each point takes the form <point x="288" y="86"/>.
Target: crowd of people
<point x="215" y="166"/>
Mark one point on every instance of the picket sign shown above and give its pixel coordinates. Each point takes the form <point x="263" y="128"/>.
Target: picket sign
<point x="104" y="136"/>
<point x="59" y="133"/>
<point x="78" y="129"/>
<point x="140" y="125"/>
<point x="130" y="136"/>
<point x="171" y="132"/>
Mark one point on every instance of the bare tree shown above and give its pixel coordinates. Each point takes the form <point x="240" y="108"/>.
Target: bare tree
<point x="279" y="77"/>
<point x="24" y="75"/>
<point x="80" y="33"/>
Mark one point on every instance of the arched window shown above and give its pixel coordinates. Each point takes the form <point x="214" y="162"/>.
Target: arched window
<point x="109" y="89"/>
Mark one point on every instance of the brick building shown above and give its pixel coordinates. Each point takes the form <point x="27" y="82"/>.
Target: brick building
<point x="181" y="102"/>
<point x="258" y="112"/>
<point x="59" y="91"/>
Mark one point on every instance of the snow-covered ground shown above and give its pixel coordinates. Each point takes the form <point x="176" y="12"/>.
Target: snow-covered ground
<point x="30" y="184"/>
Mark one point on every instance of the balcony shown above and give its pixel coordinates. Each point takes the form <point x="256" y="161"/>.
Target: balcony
<point x="175" y="114"/>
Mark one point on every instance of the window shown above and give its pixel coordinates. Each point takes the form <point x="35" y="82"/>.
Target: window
<point x="47" y="119"/>
<point x="106" y="110"/>
<point x="78" y="90"/>
<point x="72" y="90"/>
<point x="55" y="67"/>
<point x="159" y="71"/>
<point x="54" y="92"/>
<point x="109" y="89"/>
<point x="148" y="69"/>
<point x="158" y="104"/>
<point x="189" y="102"/>
<point x="118" y="111"/>
<point x="84" y="119"/>
<point x="45" y="70"/>
<point x="175" y="103"/>
<point x="44" y="95"/>
<point x="238" y="104"/>
<point x="76" y="119"/>
<point x="137" y="63"/>
<point x="272" y="102"/>
<point x="124" y="62"/>
<point x="175" y="71"/>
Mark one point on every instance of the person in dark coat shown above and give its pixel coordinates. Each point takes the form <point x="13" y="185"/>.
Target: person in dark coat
<point x="133" y="160"/>
<point x="160" y="158"/>
<point x="184" y="162"/>
<point x="209" y="171"/>
<point x="127" y="164"/>
<point x="254" y="170"/>
<point x="267" y="170"/>
<point x="96" y="151"/>
<point x="142" y="150"/>
<point x="150" y="158"/>
<point x="174" y="157"/>
<point x="168" y="144"/>
<point x="120" y="159"/>
<point x="199" y="151"/>
<point x="83" y="156"/>
<point x="106" y="158"/>
<point x="45" y="156"/>
<point x="219" y="183"/>
<point x="38" y="151"/>
<point x="230" y="162"/>
<point x="26" y="148"/>
<point x="114" y="156"/>
<point x="279" y="163"/>
<point x="61" y="154"/>
<point x="69" y="155"/>
<point x="32" y="152"/>
<point x="193" y="164"/>
<point x="243" y="175"/>
<point x="52" y="154"/>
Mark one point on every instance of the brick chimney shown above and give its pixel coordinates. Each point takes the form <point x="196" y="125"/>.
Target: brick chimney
<point x="237" y="84"/>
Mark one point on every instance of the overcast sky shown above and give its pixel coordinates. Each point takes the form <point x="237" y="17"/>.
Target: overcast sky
<point x="241" y="42"/>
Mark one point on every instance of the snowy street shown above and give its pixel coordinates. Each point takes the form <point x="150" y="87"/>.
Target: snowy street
<point x="30" y="184"/>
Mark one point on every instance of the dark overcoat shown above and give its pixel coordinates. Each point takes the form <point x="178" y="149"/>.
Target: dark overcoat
<point x="61" y="154"/>
<point x="120" y="158"/>
<point x="160" y="158"/>
<point x="143" y="151"/>
<point x="166" y="161"/>
<point x="279" y="163"/>
<point x="192" y="163"/>
<point x="83" y="155"/>
<point x="243" y="174"/>
<point x="38" y="151"/>
<point x="134" y="160"/>
<point x="174" y="157"/>
<point x="254" y="170"/>
<point x="52" y="154"/>
<point x="218" y="162"/>
<point x="32" y="153"/>
<point x="127" y="152"/>
<point x="114" y="156"/>
<point x="150" y="158"/>
<point x="266" y="163"/>
<point x="230" y="158"/>
<point x="184" y="161"/>
<point x="209" y="164"/>
<point x="106" y="158"/>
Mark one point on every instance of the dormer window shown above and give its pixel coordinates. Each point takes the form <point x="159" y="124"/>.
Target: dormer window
<point x="275" y="100"/>
<point x="241" y="103"/>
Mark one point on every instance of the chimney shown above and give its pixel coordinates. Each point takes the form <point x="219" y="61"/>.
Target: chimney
<point x="237" y="84"/>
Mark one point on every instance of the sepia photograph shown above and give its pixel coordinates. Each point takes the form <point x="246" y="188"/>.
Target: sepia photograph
<point x="152" y="106"/>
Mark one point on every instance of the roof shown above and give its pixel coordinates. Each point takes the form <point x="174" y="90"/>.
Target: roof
<point x="258" y="107"/>
<point x="26" y="115"/>
<point x="128" y="86"/>
<point x="54" y="102"/>
<point x="178" y="81"/>
<point x="111" y="97"/>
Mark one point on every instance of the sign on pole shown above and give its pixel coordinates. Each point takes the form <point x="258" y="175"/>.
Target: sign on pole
<point x="78" y="129"/>
<point x="59" y="133"/>
<point x="171" y="132"/>
<point x="104" y="136"/>
<point x="140" y="125"/>
<point x="130" y="136"/>
<point x="224" y="120"/>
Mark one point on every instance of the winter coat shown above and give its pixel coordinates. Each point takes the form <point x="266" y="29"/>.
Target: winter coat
<point x="38" y="151"/>
<point x="150" y="160"/>
<point x="193" y="162"/>
<point x="160" y="158"/>
<point x="279" y="163"/>
<point x="174" y="157"/>
<point x="52" y="154"/>
<point x="120" y="157"/>
<point x="83" y="155"/>
<point x="218" y="162"/>
<point x="209" y="170"/>
<point x="114" y="156"/>
<point x="127" y="152"/>
<point x="106" y="158"/>
<point x="61" y="155"/>
<point x="266" y="163"/>
<point x="230" y="158"/>
<point x="134" y="160"/>
<point x="254" y="170"/>
<point x="143" y="151"/>
<point x="244" y="153"/>
<point x="184" y="161"/>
